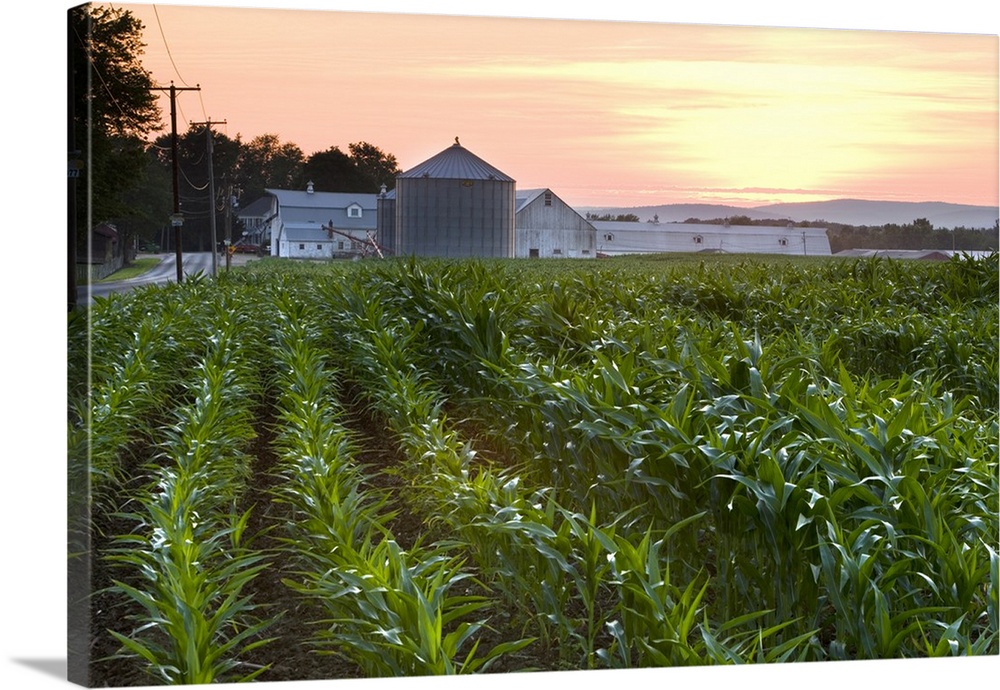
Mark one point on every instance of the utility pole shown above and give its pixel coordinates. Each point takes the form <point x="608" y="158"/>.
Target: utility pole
<point x="177" y="220"/>
<point x="211" y="190"/>
<point x="230" y="203"/>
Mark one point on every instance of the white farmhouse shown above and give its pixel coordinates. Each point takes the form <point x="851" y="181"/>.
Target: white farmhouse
<point x="320" y="225"/>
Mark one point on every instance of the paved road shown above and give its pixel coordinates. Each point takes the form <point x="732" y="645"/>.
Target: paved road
<point x="165" y="272"/>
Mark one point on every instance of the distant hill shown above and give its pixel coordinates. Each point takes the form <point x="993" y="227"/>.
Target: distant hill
<point x="678" y="213"/>
<point x="858" y="212"/>
<point x="847" y="211"/>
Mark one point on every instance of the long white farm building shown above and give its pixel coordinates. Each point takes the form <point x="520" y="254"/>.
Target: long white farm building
<point x="615" y="238"/>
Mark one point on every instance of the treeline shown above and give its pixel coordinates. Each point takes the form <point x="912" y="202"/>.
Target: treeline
<point x="242" y="172"/>
<point x="747" y="220"/>
<point x="622" y="217"/>
<point x="128" y="176"/>
<point x="920" y="234"/>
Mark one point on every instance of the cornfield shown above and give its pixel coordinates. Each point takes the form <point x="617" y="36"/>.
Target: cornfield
<point x="422" y="467"/>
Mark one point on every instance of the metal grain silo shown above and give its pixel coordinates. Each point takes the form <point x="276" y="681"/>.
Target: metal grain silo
<point x="386" y="221"/>
<point x="454" y="204"/>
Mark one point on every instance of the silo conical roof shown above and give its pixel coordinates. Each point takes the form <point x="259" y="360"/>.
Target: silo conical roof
<point x="456" y="163"/>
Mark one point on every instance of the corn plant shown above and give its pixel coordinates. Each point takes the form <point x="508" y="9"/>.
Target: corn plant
<point x="197" y="618"/>
<point x="398" y="615"/>
<point x="188" y="555"/>
<point x="655" y="621"/>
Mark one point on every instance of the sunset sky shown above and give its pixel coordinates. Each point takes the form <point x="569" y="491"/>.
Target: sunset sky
<point x="604" y="112"/>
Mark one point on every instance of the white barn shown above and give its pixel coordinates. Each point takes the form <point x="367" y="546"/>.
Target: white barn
<point x="320" y="225"/>
<point x="615" y="238"/>
<point x="546" y="227"/>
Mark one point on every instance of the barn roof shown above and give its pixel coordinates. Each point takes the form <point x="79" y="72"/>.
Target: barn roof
<point x="259" y="207"/>
<point x="107" y="230"/>
<point x="293" y="198"/>
<point x="301" y="207"/>
<point x="456" y="163"/>
<point x="310" y="232"/>
<point x="298" y="232"/>
<point x="321" y="216"/>
<point x="523" y="197"/>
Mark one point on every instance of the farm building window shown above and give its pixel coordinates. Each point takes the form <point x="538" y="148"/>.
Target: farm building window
<point x="533" y="253"/>
<point x="548" y="198"/>
<point x="302" y="246"/>
<point x="340" y="245"/>
<point x="783" y="241"/>
<point x="354" y="212"/>
<point x="609" y="237"/>
<point x="585" y="251"/>
<point x="698" y="239"/>
<point x="557" y="251"/>
<point x="319" y="246"/>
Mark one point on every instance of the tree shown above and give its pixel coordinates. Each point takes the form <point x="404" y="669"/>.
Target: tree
<point x="113" y="107"/>
<point x="334" y="171"/>
<point x="365" y="170"/>
<point x="375" y="165"/>
<point x="150" y="203"/>
<point x="192" y="161"/>
<point x="265" y="163"/>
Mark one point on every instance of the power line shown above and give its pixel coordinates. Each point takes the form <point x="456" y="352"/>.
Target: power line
<point x="203" y="111"/>
<point x="180" y="109"/>
<point x="192" y="184"/>
<point x="167" y="46"/>
<point x="170" y="55"/>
